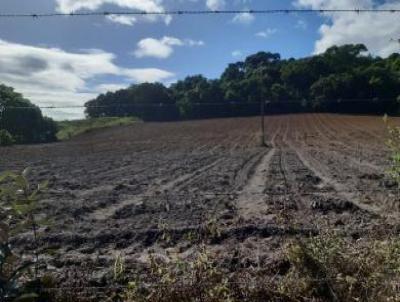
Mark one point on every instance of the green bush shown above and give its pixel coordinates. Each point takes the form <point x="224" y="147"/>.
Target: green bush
<point x="393" y="143"/>
<point x="18" y="201"/>
<point x="6" y="139"/>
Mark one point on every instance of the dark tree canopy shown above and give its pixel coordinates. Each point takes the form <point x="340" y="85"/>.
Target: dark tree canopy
<point x="26" y="124"/>
<point x="343" y="79"/>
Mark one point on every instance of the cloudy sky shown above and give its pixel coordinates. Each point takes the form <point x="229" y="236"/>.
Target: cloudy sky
<point x="67" y="61"/>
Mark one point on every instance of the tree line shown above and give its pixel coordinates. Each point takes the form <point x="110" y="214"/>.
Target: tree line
<point x="23" y="126"/>
<point x="343" y="79"/>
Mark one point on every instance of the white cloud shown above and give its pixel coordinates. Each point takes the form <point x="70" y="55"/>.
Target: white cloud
<point x="215" y="4"/>
<point x="162" y="48"/>
<point x="102" y="88"/>
<point x="375" y="30"/>
<point x="191" y="42"/>
<point x="67" y="6"/>
<point x="334" y="4"/>
<point x="54" y="77"/>
<point x="124" y="20"/>
<point x="167" y="19"/>
<point x="243" y="18"/>
<point x="266" y="33"/>
<point x="237" y="54"/>
<point x="141" y="75"/>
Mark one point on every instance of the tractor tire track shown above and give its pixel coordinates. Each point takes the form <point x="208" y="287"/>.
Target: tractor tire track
<point x="251" y="203"/>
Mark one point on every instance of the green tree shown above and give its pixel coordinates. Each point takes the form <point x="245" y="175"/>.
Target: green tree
<point x="346" y="57"/>
<point x="195" y="90"/>
<point x="23" y="120"/>
<point x="261" y="59"/>
<point x="299" y="75"/>
<point x="319" y="82"/>
<point x="144" y="100"/>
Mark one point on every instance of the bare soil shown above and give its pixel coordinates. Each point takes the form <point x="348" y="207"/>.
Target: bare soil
<point x="149" y="187"/>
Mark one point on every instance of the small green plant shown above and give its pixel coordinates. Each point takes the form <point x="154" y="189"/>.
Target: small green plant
<point x="18" y="201"/>
<point x="10" y="269"/>
<point x="165" y="233"/>
<point x="211" y="229"/>
<point x="119" y="267"/>
<point x="393" y="143"/>
<point x="192" y="237"/>
<point x="6" y="139"/>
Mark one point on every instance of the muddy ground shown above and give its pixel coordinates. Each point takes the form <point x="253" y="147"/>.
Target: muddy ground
<point x="154" y="187"/>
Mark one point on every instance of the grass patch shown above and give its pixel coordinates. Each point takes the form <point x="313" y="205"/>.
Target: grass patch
<point x="69" y="129"/>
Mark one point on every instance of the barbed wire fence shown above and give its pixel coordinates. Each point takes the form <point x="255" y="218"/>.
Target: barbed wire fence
<point x="160" y="104"/>
<point x="200" y="12"/>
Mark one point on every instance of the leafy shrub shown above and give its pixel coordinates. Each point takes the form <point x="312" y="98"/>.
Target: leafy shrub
<point x="393" y="143"/>
<point x="6" y="138"/>
<point x="10" y="270"/>
<point x="18" y="201"/>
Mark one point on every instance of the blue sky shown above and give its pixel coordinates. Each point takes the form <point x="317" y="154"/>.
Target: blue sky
<point x="67" y="61"/>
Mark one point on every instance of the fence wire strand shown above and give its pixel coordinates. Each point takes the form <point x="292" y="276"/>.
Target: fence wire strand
<point x="198" y="104"/>
<point x="196" y="12"/>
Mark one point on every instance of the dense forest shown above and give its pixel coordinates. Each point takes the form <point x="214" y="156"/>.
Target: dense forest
<point x="23" y="126"/>
<point x="343" y="79"/>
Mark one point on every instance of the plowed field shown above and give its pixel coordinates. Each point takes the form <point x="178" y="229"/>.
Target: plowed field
<point x="151" y="186"/>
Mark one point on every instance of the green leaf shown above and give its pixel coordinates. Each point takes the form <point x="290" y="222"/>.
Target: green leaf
<point x="21" y="182"/>
<point x="43" y="186"/>
<point x="7" y="174"/>
<point x="26" y="172"/>
<point x="24" y="209"/>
